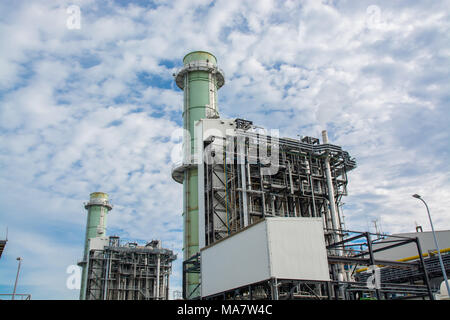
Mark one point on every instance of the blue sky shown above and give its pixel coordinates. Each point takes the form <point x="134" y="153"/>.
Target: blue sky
<point x="96" y="109"/>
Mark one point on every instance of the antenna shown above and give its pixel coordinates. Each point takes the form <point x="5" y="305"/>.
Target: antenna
<point x="377" y="230"/>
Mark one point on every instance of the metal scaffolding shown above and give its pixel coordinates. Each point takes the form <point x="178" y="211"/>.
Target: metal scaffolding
<point x="129" y="272"/>
<point x="238" y="193"/>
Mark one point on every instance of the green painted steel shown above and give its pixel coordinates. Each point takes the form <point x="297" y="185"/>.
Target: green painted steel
<point x="98" y="208"/>
<point x="199" y="56"/>
<point x="200" y="99"/>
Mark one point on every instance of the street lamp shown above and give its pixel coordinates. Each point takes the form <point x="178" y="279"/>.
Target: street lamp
<point x="17" y="277"/>
<point x="436" y="243"/>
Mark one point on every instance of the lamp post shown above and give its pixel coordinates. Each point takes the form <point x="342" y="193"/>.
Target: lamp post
<point x="17" y="277"/>
<point x="436" y="243"/>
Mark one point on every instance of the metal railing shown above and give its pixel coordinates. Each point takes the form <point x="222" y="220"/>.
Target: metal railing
<point x="17" y="296"/>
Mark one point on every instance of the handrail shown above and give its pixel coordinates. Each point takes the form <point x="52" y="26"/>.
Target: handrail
<point x="27" y="296"/>
<point x="411" y="258"/>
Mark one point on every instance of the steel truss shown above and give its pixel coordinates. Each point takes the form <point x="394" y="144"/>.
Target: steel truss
<point x="288" y="289"/>
<point x="346" y="253"/>
<point x="191" y="265"/>
<point x="238" y="193"/>
<point x="129" y="273"/>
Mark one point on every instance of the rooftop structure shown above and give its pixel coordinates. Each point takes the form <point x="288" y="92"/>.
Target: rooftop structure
<point x="129" y="271"/>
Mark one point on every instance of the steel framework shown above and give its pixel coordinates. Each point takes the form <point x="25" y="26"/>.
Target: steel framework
<point x="238" y="186"/>
<point x="129" y="272"/>
<point x="238" y="193"/>
<point x="414" y="282"/>
<point x="288" y="289"/>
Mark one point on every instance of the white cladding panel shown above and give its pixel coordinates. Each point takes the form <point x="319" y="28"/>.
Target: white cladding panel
<point x="297" y="249"/>
<point x="410" y="250"/>
<point x="236" y="261"/>
<point x="98" y="243"/>
<point x="284" y="248"/>
<point x="217" y="127"/>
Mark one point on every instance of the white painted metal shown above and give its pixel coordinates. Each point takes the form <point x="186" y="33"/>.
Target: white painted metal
<point x="285" y="248"/>
<point x="242" y="149"/>
<point x="410" y="250"/>
<point x="98" y="243"/>
<point x="297" y="249"/>
<point x="443" y="291"/>
<point x="236" y="261"/>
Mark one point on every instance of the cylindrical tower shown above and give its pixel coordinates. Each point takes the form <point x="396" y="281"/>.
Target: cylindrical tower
<point x="98" y="208"/>
<point x="199" y="79"/>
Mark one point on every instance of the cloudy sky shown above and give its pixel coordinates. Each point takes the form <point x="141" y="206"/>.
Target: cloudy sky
<point x="95" y="108"/>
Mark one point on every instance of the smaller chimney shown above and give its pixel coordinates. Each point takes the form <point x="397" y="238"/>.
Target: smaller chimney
<point x="324" y="136"/>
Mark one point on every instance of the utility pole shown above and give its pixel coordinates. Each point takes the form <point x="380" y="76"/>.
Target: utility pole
<point x="17" y="276"/>
<point x="436" y="243"/>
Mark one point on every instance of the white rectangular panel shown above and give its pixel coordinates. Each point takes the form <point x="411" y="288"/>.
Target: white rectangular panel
<point x="283" y="248"/>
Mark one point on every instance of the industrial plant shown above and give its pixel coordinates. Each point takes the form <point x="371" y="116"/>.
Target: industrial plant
<point x="115" y="271"/>
<point x="262" y="213"/>
<point x="262" y="220"/>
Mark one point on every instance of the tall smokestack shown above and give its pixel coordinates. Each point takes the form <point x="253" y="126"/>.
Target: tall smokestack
<point x="199" y="79"/>
<point x="98" y="208"/>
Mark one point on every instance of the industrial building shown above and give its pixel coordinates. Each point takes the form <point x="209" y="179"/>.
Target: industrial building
<point x="2" y="246"/>
<point x="115" y="271"/>
<point x="261" y="213"/>
<point x="408" y="252"/>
